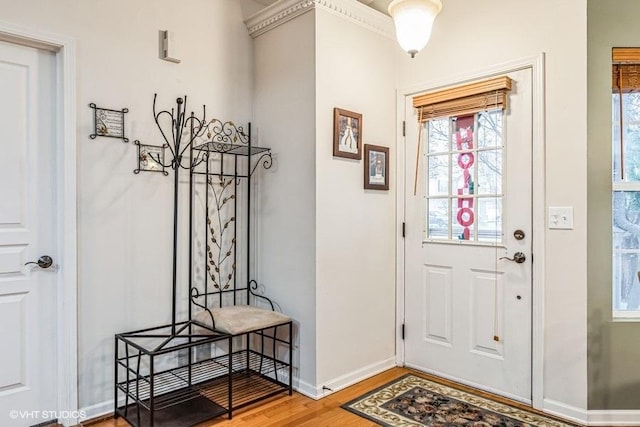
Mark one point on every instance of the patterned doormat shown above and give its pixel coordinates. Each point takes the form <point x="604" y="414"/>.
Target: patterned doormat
<point x="411" y="401"/>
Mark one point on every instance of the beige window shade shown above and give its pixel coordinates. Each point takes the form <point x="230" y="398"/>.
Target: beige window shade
<point x="465" y="99"/>
<point x="625" y="72"/>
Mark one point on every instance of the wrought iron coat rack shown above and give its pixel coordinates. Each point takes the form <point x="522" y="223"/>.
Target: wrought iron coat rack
<point x="224" y="138"/>
<point x="177" y="148"/>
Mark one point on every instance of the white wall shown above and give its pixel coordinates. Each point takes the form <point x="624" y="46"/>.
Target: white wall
<point x="284" y="109"/>
<point x="471" y="36"/>
<point x="355" y="228"/>
<point x="124" y="219"/>
<point x="327" y="246"/>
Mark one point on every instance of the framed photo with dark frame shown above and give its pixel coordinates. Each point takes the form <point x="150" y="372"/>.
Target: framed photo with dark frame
<point x="347" y="134"/>
<point x="376" y="167"/>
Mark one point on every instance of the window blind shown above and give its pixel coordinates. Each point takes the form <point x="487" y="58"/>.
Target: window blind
<point x="625" y="71"/>
<point x="465" y="99"/>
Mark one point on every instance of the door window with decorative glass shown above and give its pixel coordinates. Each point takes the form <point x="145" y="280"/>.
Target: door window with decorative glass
<point x="464" y="178"/>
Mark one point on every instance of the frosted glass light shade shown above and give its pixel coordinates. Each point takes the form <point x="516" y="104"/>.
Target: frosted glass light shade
<point x="413" y="20"/>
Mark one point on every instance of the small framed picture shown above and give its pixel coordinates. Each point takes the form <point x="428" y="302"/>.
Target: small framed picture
<point x="347" y="134"/>
<point x="376" y="167"/>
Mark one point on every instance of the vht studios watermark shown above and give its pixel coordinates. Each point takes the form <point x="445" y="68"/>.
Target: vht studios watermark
<point x="46" y="415"/>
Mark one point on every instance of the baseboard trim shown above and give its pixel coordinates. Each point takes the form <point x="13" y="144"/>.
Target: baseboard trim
<point x="616" y="417"/>
<point x="562" y="410"/>
<point x="97" y="411"/>
<point x="306" y="389"/>
<point x="346" y="380"/>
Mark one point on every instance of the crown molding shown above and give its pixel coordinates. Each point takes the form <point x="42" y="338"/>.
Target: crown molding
<point x="352" y="10"/>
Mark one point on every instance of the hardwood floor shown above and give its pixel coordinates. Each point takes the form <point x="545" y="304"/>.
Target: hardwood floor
<point x="298" y="410"/>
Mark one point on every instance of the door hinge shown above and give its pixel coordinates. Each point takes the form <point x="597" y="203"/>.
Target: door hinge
<point x="403" y="229"/>
<point x="404" y="128"/>
<point x="402" y="331"/>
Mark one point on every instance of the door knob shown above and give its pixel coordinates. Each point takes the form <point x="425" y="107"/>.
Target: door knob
<point x="45" y="261"/>
<point x="518" y="257"/>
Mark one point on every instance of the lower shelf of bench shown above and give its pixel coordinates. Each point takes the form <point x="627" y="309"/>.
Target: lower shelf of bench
<point x="186" y="413"/>
<point x="176" y="403"/>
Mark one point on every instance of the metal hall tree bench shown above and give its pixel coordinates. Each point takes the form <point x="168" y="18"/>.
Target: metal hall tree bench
<point x="234" y="349"/>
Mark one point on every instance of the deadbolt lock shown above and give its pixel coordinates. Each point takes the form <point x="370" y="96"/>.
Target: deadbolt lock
<point x="518" y="234"/>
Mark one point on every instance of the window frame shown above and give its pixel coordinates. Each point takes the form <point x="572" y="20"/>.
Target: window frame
<point x="625" y="68"/>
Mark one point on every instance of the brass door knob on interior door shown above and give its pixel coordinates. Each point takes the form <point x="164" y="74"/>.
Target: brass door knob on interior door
<point x="518" y="257"/>
<point x="45" y="261"/>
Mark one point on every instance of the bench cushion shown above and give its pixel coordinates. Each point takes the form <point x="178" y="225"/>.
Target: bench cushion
<point x="238" y="319"/>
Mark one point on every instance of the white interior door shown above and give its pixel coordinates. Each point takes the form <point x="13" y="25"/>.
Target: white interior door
<point x="28" y="364"/>
<point x="467" y="311"/>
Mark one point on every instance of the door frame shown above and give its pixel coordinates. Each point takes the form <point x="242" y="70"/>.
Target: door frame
<point x="538" y="200"/>
<point x="66" y="206"/>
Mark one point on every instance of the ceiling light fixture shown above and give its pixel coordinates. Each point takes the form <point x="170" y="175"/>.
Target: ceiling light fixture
<point x="413" y="20"/>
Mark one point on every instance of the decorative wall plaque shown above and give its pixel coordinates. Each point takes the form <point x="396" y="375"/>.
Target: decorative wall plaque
<point x="109" y="123"/>
<point x="150" y="158"/>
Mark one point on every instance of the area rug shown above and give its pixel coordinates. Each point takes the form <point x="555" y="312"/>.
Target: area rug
<point x="411" y="401"/>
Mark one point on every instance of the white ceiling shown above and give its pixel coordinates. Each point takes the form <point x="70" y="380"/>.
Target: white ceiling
<point x="379" y="5"/>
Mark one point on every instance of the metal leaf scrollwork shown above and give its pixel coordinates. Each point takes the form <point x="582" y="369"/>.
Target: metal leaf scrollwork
<point x="253" y="289"/>
<point x="266" y="160"/>
<point x="172" y="125"/>
<point x="195" y="295"/>
<point x="221" y="267"/>
<point x="224" y="134"/>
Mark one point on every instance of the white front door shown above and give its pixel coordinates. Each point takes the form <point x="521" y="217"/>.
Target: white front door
<point x="467" y="311"/>
<point x="28" y="362"/>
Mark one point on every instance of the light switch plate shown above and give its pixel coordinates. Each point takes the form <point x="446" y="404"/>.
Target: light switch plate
<point x="561" y="218"/>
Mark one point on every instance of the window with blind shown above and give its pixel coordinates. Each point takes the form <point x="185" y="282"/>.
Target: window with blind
<point x="463" y="131"/>
<point x="625" y="107"/>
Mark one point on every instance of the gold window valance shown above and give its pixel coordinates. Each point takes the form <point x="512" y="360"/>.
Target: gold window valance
<point x="465" y="99"/>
